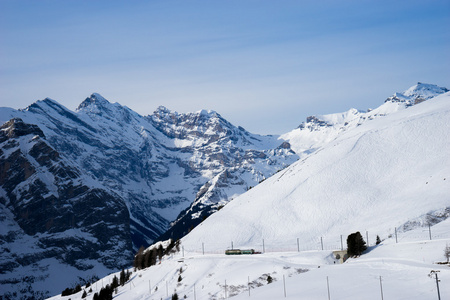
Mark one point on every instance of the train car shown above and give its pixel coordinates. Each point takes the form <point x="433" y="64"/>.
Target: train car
<point x="239" y="251"/>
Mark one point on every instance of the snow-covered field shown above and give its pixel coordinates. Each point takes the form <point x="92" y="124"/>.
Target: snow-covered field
<point x="403" y="268"/>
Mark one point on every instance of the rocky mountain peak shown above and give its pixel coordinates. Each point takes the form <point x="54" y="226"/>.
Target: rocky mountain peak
<point x="425" y="90"/>
<point x="16" y="127"/>
<point x="96" y="100"/>
<point x="179" y="125"/>
<point x="417" y="93"/>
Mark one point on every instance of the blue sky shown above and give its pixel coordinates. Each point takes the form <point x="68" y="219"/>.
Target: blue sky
<point x="263" y="65"/>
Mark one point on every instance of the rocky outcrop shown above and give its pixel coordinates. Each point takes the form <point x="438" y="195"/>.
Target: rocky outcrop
<point x="49" y="206"/>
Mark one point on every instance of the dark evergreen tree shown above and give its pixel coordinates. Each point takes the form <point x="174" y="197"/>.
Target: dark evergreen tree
<point x="106" y="293"/>
<point x="175" y="296"/>
<point x="177" y="245"/>
<point x="269" y="279"/>
<point x="122" y="278"/>
<point x="180" y="278"/>
<point x="84" y="295"/>
<point x="127" y="275"/>
<point x="147" y="260"/>
<point x="378" y="240"/>
<point x="138" y="258"/>
<point x="67" y="292"/>
<point x="115" y="282"/>
<point x="160" y="252"/>
<point x="153" y="256"/>
<point x="355" y="244"/>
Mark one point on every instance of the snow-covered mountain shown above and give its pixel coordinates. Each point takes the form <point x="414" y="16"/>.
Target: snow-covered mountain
<point x="153" y="167"/>
<point x="172" y="167"/>
<point x="387" y="177"/>
<point x="322" y="129"/>
<point x="389" y="173"/>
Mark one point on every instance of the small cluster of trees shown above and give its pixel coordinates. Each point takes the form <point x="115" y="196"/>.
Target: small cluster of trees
<point x="69" y="291"/>
<point x="77" y="288"/>
<point x="107" y="291"/>
<point x="144" y="259"/>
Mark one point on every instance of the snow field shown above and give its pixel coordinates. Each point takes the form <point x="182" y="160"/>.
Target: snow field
<point x="403" y="267"/>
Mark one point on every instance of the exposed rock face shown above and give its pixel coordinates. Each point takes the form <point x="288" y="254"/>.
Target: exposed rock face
<point x="48" y="205"/>
<point x="417" y="93"/>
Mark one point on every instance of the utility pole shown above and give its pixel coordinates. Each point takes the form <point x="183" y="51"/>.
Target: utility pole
<point x="225" y="289"/>
<point x="328" y="288"/>
<point x="429" y="230"/>
<point x="396" y="241"/>
<point x="433" y="272"/>
<point x="381" y="288"/>
<point x="342" y="245"/>
<point x="321" y="242"/>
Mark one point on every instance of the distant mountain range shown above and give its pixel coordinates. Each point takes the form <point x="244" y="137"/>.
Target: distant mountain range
<point x="81" y="191"/>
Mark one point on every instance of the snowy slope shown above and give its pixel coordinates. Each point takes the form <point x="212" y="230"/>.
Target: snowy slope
<point x="373" y="178"/>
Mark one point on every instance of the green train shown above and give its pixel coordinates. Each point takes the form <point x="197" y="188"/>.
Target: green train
<point x="239" y="251"/>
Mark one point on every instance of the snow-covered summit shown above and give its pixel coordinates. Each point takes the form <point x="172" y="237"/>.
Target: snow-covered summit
<point x="321" y="129"/>
<point x="94" y="100"/>
<point x="417" y="93"/>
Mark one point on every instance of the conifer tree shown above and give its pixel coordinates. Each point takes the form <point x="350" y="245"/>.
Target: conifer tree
<point x="138" y="258"/>
<point x="355" y="244"/>
<point x="122" y="278"/>
<point x="378" y="240"/>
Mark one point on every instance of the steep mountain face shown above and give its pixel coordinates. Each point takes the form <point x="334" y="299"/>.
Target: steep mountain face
<point x="230" y="158"/>
<point x="158" y="163"/>
<point x="49" y="211"/>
